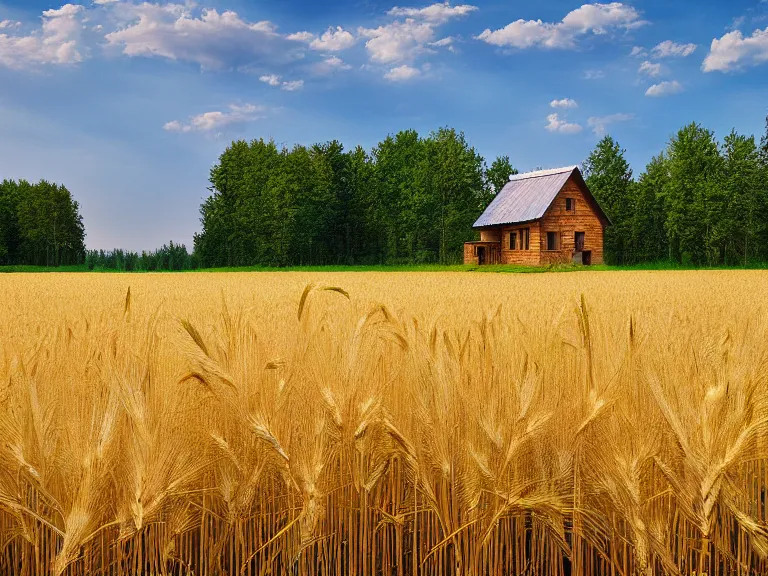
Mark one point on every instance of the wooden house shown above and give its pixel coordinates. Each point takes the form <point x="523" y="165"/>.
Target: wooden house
<point x="540" y="218"/>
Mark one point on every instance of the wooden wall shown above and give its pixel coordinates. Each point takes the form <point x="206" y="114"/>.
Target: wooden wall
<point x="530" y="257"/>
<point x="582" y="219"/>
<point x="491" y="252"/>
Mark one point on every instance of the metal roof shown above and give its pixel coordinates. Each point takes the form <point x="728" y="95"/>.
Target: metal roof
<point x="525" y="197"/>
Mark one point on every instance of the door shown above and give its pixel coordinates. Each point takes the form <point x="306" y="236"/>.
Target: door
<point x="481" y="254"/>
<point x="586" y="257"/>
<point x="579" y="241"/>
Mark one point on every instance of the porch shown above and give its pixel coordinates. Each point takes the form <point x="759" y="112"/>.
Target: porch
<point x="481" y="253"/>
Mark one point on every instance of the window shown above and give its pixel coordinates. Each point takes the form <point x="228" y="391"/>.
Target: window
<point x="513" y="240"/>
<point x="552" y="243"/>
<point x="525" y="236"/>
<point x="570" y="205"/>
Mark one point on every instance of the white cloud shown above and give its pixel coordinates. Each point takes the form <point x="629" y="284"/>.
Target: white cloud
<point x="216" y="120"/>
<point x="600" y="123"/>
<point x="447" y="41"/>
<point x="271" y="79"/>
<point x="330" y="65"/>
<point x="301" y="36"/>
<point x="598" y="18"/>
<point x="103" y="2"/>
<point x="402" y="73"/>
<point x="398" y="41"/>
<point x="57" y="41"/>
<point x="212" y="40"/>
<point x="589" y="18"/>
<point x="9" y="24"/>
<point x="734" y="51"/>
<point x="593" y="75"/>
<point x="638" y="51"/>
<point x="557" y="125"/>
<point x="404" y="40"/>
<point x="333" y="40"/>
<point x="670" y="49"/>
<point x="292" y="85"/>
<point x="664" y="89"/>
<point x="564" y="103"/>
<point x="275" y="80"/>
<point x="437" y="13"/>
<point x="653" y="69"/>
<point x="528" y="33"/>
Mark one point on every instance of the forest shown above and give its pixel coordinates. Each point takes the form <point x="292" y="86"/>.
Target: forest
<point x="40" y="225"/>
<point x="413" y="199"/>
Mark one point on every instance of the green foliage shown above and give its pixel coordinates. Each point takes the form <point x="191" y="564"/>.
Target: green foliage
<point x="410" y="200"/>
<point x="40" y="224"/>
<point x="609" y="178"/>
<point x="498" y="174"/>
<point x="171" y="257"/>
<point x="698" y="203"/>
<point x="648" y="238"/>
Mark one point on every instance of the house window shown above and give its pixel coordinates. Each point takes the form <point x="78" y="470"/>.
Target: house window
<point x="552" y="241"/>
<point x="570" y="205"/>
<point x="525" y="236"/>
<point x="513" y="240"/>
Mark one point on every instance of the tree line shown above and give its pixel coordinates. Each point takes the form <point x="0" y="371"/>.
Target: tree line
<point x="699" y="202"/>
<point x="169" y="257"/>
<point x="40" y="224"/>
<point x="413" y="199"/>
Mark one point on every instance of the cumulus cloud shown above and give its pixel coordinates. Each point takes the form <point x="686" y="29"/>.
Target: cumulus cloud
<point x="404" y="40"/>
<point x="9" y="24"/>
<point x="670" y="49"/>
<point x="332" y="40"/>
<point x="398" y="41"/>
<point x="564" y="103"/>
<point x="557" y="125"/>
<point x="212" y="39"/>
<point x="102" y="2"/>
<point x="56" y="42"/>
<point x="664" y="89"/>
<point x="638" y="51"/>
<point x="599" y="124"/>
<point x="653" y="69"/>
<point x="437" y="13"/>
<point x="596" y="19"/>
<point x="734" y="51"/>
<point x="402" y="73"/>
<point x="217" y="120"/>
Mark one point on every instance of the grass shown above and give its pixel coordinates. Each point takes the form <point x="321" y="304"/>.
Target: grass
<point x="494" y="268"/>
<point x="395" y="424"/>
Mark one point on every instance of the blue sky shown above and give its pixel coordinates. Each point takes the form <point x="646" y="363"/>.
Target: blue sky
<point x="129" y="103"/>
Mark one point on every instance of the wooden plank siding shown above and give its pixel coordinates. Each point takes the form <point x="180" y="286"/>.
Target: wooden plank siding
<point x="566" y="224"/>
<point x="530" y="257"/>
<point x="582" y="218"/>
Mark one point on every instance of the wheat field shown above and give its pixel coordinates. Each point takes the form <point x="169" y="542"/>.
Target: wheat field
<point x="391" y="424"/>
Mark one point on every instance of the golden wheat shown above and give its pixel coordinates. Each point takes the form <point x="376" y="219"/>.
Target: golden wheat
<point x="371" y="423"/>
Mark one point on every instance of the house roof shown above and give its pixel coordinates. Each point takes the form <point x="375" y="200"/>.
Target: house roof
<point x="526" y="197"/>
